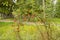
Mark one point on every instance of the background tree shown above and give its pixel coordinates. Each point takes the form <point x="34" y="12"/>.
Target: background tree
<point x="57" y="9"/>
<point x="6" y="8"/>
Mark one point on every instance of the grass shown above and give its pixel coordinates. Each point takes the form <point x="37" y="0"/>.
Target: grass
<point x="27" y="32"/>
<point x="5" y="31"/>
<point x="56" y="20"/>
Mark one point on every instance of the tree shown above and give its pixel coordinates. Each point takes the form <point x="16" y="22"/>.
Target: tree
<point x="57" y="9"/>
<point x="6" y="7"/>
<point x="26" y="9"/>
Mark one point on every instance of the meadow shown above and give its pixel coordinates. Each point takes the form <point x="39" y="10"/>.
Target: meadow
<point x="29" y="32"/>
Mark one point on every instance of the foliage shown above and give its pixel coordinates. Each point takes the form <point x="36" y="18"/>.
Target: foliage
<point x="28" y="8"/>
<point x="6" y="6"/>
<point x="58" y="9"/>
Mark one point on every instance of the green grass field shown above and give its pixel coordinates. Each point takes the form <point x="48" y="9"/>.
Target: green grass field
<point x="28" y="32"/>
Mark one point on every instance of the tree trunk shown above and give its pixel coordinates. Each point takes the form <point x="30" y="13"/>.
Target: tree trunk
<point x="17" y="30"/>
